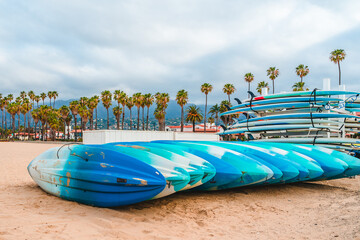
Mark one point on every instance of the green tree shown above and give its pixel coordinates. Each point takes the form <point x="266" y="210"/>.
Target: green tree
<point x="130" y="104"/>
<point x="302" y="71"/>
<point x="299" y="86"/>
<point x="229" y="89"/>
<point x="64" y="113"/>
<point x="106" y="97"/>
<point x="336" y="57"/>
<point x="182" y="99"/>
<point x="74" y="108"/>
<point x="193" y="115"/>
<point x="149" y="100"/>
<point x="117" y="113"/>
<point x="248" y="77"/>
<point x="43" y="97"/>
<point x="206" y="88"/>
<point x="262" y="85"/>
<point x="214" y="111"/>
<point x="138" y="98"/>
<point x="273" y="73"/>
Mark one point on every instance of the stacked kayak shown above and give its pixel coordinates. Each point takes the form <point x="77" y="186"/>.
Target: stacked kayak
<point x="124" y="173"/>
<point x="308" y="117"/>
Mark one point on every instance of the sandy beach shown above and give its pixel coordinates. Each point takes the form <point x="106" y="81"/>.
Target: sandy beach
<point x="321" y="210"/>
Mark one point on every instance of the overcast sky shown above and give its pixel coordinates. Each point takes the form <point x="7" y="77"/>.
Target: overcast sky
<point x="80" y="48"/>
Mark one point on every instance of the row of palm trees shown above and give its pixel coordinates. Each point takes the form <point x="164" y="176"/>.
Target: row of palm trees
<point x="51" y="117"/>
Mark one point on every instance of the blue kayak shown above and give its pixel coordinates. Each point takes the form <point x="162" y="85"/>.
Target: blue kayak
<point x="95" y="176"/>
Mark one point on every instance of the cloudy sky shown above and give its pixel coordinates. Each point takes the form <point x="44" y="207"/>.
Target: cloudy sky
<point x="80" y="48"/>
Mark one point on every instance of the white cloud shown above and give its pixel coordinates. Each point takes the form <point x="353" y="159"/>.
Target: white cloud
<point x="83" y="47"/>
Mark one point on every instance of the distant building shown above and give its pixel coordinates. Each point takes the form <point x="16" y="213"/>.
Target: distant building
<point x="210" y="128"/>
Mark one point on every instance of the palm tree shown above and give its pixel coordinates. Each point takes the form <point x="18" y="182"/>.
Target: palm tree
<point x="50" y="95"/>
<point x="193" y="115"/>
<point x="162" y="100"/>
<point x="215" y="110"/>
<point x="137" y="98"/>
<point x="262" y="85"/>
<point x="25" y="107"/>
<point x="43" y="97"/>
<point x="229" y="89"/>
<point x="302" y="71"/>
<point x="273" y="73"/>
<point x="74" y="108"/>
<point x="23" y="95"/>
<point x="31" y="95"/>
<point x="37" y="100"/>
<point x="182" y="99"/>
<point x="92" y="104"/>
<point x="12" y="109"/>
<point x="54" y="95"/>
<point x="206" y="88"/>
<point x="299" y="86"/>
<point x="130" y="104"/>
<point x="122" y="99"/>
<point x="7" y="99"/>
<point x="149" y="100"/>
<point x="106" y="97"/>
<point x="2" y="107"/>
<point x="64" y="113"/>
<point x="43" y="116"/>
<point x="36" y="117"/>
<point x="84" y="115"/>
<point x="117" y="111"/>
<point x="68" y="121"/>
<point x="248" y="77"/>
<point x="336" y="57"/>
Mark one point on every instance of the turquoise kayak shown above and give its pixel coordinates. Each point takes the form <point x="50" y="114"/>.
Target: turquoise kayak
<point x="253" y="171"/>
<point x="331" y="166"/>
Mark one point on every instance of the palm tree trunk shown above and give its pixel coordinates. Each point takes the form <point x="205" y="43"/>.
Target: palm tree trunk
<point x="301" y="78"/>
<point x="64" y="130"/>
<point x="5" y="122"/>
<point x="118" y="122"/>
<point x="138" y="118"/>
<point x="107" y="110"/>
<point x="18" y="122"/>
<point x="130" y="119"/>
<point x="147" y="119"/>
<point x="248" y="90"/>
<point x="143" y="120"/>
<point x="13" y="126"/>
<point x="205" y="113"/>
<point x="75" y="133"/>
<point x="339" y="73"/>
<point x="68" y="133"/>
<point x="24" y="125"/>
<point x="193" y="122"/>
<point x="123" y="118"/>
<point x="82" y="126"/>
<point x="35" y="130"/>
<point x="273" y="86"/>
<point x="182" y="119"/>
<point x="96" y="119"/>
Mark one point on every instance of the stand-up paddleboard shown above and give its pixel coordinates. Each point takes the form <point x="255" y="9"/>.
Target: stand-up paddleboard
<point x="199" y="171"/>
<point x="278" y="127"/>
<point x="311" y="140"/>
<point x="301" y="115"/>
<point x="286" y="100"/>
<point x="253" y="171"/>
<point x="305" y="93"/>
<point x="331" y="166"/>
<point x="176" y="176"/>
<point x="291" y="171"/>
<point x="286" y="121"/>
<point x="261" y="108"/>
<point x="96" y="176"/>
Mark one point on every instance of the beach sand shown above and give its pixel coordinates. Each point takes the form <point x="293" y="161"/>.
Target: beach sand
<point x="321" y="210"/>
